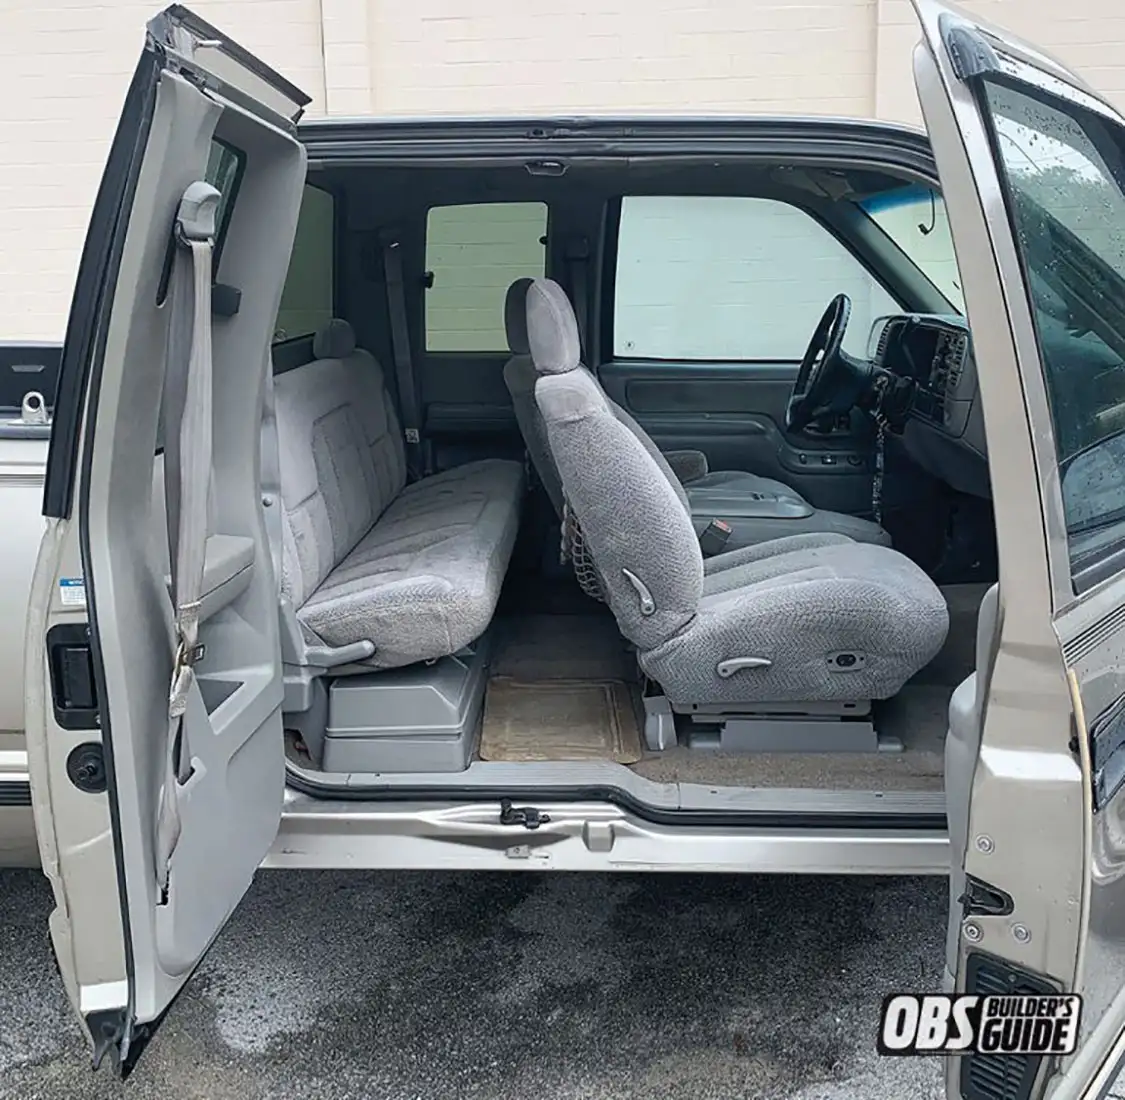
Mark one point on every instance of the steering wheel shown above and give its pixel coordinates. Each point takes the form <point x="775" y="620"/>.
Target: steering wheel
<point x="826" y="376"/>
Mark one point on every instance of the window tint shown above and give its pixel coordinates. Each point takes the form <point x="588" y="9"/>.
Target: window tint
<point x="308" y="296"/>
<point x="224" y="173"/>
<point x="1064" y="172"/>
<point x="475" y="253"/>
<point x="915" y="219"/>
<point x="713" y="278"/>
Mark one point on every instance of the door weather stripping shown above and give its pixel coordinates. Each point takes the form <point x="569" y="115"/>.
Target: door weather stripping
<point x="969" y="51"/>
<point x="187" y="475"/>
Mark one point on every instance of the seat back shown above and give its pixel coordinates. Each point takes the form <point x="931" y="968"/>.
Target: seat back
<point x="520" y="378"/>
<point x="633" y="522"/>
<point x="342" y="457"/>
<point x="520" y="375"/>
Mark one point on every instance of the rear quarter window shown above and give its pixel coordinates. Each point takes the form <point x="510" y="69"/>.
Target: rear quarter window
<point x="308" y="297"/>
<point x="475" y="252"/>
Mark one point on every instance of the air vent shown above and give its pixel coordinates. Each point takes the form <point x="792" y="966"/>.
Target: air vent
<point x="958" y="353"/>
<point x="1000" y="1076"/>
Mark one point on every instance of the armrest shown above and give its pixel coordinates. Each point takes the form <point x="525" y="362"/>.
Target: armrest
<point x="687" y="465"/>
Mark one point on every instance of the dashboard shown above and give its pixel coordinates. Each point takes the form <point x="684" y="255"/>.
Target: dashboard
<point x="934" y="353"/>
<point x="944" y="431"/>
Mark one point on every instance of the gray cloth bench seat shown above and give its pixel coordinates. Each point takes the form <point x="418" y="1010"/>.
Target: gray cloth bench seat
<point x="416" y="569"/>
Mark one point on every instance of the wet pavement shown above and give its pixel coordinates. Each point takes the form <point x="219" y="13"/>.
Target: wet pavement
<point x="334" y="985"/>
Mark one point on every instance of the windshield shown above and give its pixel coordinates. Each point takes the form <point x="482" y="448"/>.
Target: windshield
<point x="914" y="218"/>
<point x="1063" y="170"/>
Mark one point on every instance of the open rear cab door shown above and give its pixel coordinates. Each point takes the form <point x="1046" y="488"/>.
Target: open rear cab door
<point x="153" y="677"/>
<point x="1032" y="164"/>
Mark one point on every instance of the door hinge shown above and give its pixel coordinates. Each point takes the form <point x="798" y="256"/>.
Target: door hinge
<point x="527" y="816"/>
<point x="982" y="899"/>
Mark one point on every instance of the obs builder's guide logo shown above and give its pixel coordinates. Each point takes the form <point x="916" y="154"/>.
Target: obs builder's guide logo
<point x="940" y="1023"/>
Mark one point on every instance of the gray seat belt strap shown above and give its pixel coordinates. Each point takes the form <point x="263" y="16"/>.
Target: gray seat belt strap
<point x="404" y="363"/>
<point x="578" y="262"/>
<point x="187" y="475"/>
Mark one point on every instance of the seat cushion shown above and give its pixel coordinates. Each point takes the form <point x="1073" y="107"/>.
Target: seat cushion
<point x="799" y="610"/>
<point x="738" y="481"/>
<point x="723" y="570"/>
<point x="424" y="581"/>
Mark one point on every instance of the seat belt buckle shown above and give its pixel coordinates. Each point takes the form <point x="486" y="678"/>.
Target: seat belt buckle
<point x="183" y="672"/>
<point x="714" y="537"/>
<point x="191" y="656"/>
<point x="187" y="656"/>
<point x="412" y="435"/>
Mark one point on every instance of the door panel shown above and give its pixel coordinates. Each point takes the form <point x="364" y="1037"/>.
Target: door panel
<point x="175" y="807"/>
<point x="473" y="252"/>
<point x="468" y="411"/>
<point x="1020" y="144"/>
<point x="735" y="414"/>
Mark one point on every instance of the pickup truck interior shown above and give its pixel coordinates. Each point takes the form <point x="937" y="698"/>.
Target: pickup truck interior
<point x="669" y="479"/>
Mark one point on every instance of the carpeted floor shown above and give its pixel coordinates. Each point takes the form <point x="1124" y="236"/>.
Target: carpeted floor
<point x="539" y="650"/>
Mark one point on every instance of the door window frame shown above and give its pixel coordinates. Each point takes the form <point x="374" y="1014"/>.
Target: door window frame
<point x="1070" y="582"/>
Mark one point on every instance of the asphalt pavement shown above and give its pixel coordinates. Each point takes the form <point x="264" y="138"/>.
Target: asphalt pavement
<point x="423" y="986"/>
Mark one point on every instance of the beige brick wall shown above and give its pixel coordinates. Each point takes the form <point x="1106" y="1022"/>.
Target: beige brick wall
<point x="64" y="66"/>
<point x="64" y="69"/>
<point x="582" y="55"/>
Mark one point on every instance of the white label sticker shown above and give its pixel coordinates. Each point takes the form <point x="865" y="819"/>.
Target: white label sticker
<point x="72" y="591"/>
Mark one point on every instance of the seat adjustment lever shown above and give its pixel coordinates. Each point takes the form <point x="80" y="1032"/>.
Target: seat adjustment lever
<point x="726" y="669"/>
<point x="326" y="656"/>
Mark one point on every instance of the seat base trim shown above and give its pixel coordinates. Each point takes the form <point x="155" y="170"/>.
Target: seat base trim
<point x="832" y="727"/>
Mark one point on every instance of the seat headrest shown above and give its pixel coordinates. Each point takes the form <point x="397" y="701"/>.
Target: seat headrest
<point x="552" y="331"/>
<point x="336" y="340"/>
<point x="515" y="316"/>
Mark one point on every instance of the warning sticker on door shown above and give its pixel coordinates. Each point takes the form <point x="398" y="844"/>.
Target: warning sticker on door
<point x="72" y="591"/>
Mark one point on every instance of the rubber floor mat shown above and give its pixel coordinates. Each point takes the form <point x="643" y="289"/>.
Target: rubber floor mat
<point x="559" y="720"/>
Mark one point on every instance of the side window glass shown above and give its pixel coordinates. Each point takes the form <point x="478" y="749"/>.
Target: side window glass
<point x="224" y="173"/>
<point x="308" y="296"/>
<point x="1064" y="172"/>
<point x="732" y="279"/>
<point x="914" y="217"/>
<point x="475" y="253"/>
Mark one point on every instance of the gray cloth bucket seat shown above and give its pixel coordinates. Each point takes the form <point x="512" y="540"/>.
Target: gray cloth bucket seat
<point x="756" y="508"/>
<point x="812" y="618"/>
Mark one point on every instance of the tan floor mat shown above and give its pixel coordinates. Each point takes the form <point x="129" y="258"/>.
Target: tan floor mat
<point x="559" y="720"/>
